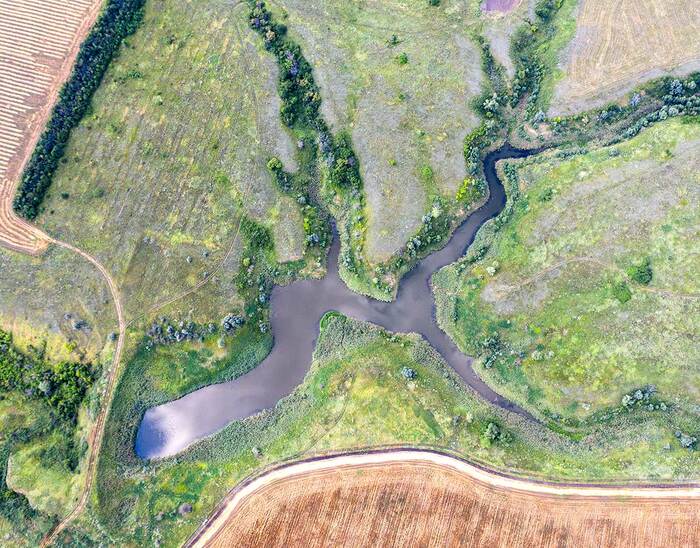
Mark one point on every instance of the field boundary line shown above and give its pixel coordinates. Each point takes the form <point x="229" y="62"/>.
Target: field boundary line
<point x="226" y="509"/>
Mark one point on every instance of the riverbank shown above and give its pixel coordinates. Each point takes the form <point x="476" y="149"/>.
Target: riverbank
<point x="297" y="309"/>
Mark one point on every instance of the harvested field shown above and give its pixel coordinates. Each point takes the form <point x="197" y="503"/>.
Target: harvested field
<point x="39" y="40"/>
<point x="433" y="500"/>
<point x="618" y="45"/>
<point x="405" y="102"/>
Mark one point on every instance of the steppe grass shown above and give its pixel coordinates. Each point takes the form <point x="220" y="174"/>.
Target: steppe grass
<point x="155" y="179"/>
<point x="41" y="298"/>
<point x="557" y="310"/>
<point x="366" y="388"/>
<point x="400" y="77"/>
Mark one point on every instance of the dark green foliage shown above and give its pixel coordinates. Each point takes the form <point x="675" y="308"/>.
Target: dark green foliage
<point x="257" y="236"/>
<point x="119" y="19"/>
<point x="344" y="172"/>
<point x="621" y="291"/>
<point x="547" y="195"/>
<point x="545" y="9"/>
<point x="13" y="506"/>
<point x="64" y="453"/>
<point x="300" y="96"/>
<point x="69" y="381"/>
<point x="474" y="145"/>
<point x="641" y="272"/>
<point x="61" y="386"/>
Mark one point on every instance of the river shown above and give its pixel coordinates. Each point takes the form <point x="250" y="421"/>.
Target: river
<point x="296" y="310"/>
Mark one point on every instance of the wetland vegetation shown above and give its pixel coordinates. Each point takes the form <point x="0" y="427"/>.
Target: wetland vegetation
<point x="220" y="145"/>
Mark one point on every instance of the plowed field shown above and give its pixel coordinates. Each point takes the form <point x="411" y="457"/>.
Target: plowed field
<point x="39" y="40"/>
<point x="431" y="503"/>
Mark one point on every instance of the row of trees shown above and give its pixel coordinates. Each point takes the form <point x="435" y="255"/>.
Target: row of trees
<point x="119" y="19"/>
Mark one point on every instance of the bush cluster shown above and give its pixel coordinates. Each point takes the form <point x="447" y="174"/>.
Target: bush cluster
<point x="119" y="19"/>
<point x="300" y="95"/>
<point x="529" y="69"/>
<point x="165" y="332"/>
<point x="62" y="386"/>
<point x="644" y="397"/>
<point x="641" y="272"/>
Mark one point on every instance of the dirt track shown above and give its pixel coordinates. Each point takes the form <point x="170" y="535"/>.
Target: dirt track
<point x="410" y="497"/>
<point x="39" y="40"/>
<point x="97" y="432"/>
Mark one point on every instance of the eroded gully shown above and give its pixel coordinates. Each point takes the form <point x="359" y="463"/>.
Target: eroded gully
<point x="296" y="310"/>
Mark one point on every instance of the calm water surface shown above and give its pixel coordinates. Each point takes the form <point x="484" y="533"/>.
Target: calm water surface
<point x="296" y="310"/>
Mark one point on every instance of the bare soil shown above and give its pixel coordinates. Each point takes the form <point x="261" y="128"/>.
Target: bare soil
<point x="424" y="504"/>
<point x="39" y="40"/>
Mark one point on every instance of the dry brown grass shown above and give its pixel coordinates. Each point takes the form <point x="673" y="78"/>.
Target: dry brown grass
<point x="623" y="42"/>
<point x="424" y="504"/>
<point x="39" y="40"/>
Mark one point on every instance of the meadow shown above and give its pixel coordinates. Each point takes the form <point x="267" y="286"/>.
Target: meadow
<point x="366" y="388"/>
<point x="390" y="74"/>
<point x="158" y="199"/>
<point x="587" y="290"/>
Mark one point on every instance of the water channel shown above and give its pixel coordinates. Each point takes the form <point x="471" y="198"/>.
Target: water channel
<point x="296" y="311"/>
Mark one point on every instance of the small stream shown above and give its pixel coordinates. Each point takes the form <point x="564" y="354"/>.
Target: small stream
<point x="296" y="311"/>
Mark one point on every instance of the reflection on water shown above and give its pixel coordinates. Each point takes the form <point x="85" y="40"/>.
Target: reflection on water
<point x="295" y="314"/>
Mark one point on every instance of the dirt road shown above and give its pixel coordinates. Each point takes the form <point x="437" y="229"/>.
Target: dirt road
<point x="403" y="495"/>
<point x="97" y="432"/>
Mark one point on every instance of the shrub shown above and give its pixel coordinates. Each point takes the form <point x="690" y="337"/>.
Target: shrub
<point x="402" y="58"/>
<point x="258" y="237"/>
<point x="119" y="19"/>
<point x="62" y="386"/>
<point x="641" y="272"/>
<point x="408" y="373"/>
<point x="621" y="291"/>
<point x="491" y="434"/>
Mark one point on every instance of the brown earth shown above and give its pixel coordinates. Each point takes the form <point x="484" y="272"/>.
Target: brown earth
<point x="499" y="5"/>
<point x="619" y="44"/>
<point x="421" y="503"/>
<point x="39" y="40"/>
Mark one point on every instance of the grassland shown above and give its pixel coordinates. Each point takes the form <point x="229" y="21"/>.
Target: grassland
<point x="428" y="504"/>
<point x="355" y="396"/>
<point x="44" y="313"/>
<point x="499" y="28"/>
<point x="557" y="308"/>
<point x="396" y="97"/>
<point x="164" y="197"/>
<point x="35" y="65"/>
<point x="618" y="45"/>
